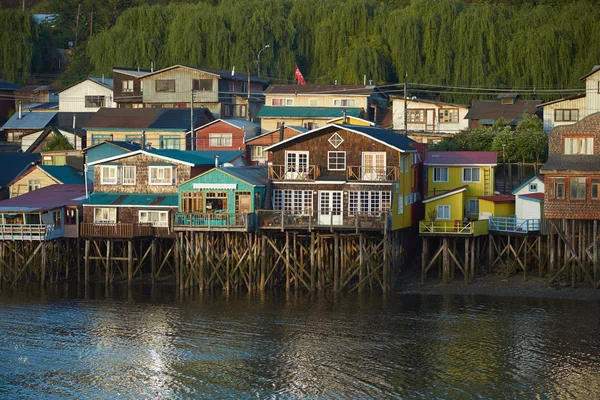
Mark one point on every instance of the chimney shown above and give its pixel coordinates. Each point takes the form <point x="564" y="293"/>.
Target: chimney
<point x="102" y="78"/>
<point x="20" y="111"/>
<point x="143" y="144"/>
<point x="111" y="137"/>
<point x="216" y="161"/>
<point x="345" y="113"/>
<point x="152" y="66"/>
<point x="281" y="130"/>
<point x="365" y="79"/>
<point x="74" y="117"/>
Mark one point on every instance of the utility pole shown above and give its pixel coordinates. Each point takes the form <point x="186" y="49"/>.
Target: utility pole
<point x="77" y="23"/>
<point x="192" y="131"/>
<point x="405" y="105"/>
<point x="248" y="105"/>
<point x="23" y="5"/>
<point x="91" y="23"/>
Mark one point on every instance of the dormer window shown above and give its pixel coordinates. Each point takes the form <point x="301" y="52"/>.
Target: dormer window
<point x="579" y="145"/>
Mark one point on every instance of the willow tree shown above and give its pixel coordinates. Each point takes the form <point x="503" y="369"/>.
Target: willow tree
<point x="17" y="38"/>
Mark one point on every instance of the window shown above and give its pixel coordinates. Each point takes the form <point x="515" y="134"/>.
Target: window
<point x="400" y="204"/>
<point x="154" y="218"/>
<point x="220" y="140"/>
<point x="282" y="102"/>
<point x="141" y="86"/>
<point x="108" y="174"/>
<point x="129" y="175"/>
<point x="440" y="174"/>
<point x="473" y="206"/>
<point x="169" y="142"/>
<point x="234" y="110"/>
<point x="191" y="201"/>
<point x="165" y="85"/>
<point x="335" y="140"/>
<point x="134" y="138"/>
<point x="203" y="85"/>
<point x="296" y="165"/>
<point x="94" y="101"/>
<point x="313" y="102"/>
<point x="311" y="125"/>
<point x="369" y="202"/>
<point x="161" y="175"/>
<point x="299" y="202"/>
<point x="470" y="174"/>
<point x="344" y="102"/>
<point x="566" y="115"/>
<point x="533" y="187"/>
<point x="128" y="86"/>
<point x="416" y="116"/>
<point x="595" y="188"/>
<point x="443" y="212"/>
<point x="577" y="188"/>
<point x="556" y="188"/>
<point x="104" y="215"/>
<point x="449" y="116"/>
<point x="336" y="160"/>
<point x="579" y="145"/>
<point x="33" y="184"/>
<point x="258" y="153"/>
<point x="96" y="138"/>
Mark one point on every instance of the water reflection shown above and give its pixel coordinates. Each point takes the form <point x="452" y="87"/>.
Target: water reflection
<point x="150" y="343"/>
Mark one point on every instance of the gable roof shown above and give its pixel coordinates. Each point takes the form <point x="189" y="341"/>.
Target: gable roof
<point x="136" y="73"/>
<point x="222" y="74"/>
<point x="254" y="176"/>
<point x="595" y="69"/>
<point x="6" y="85"/>
<point x="296" y="129"/>
<point x="489" y="111"/>
<point x="47" y="198"/>
<point x="428" y="101"/>
<point x="341" y="120"/>
<point x="238" y="123"/>
<point x="129" y="146"/>
<point x="572" y="97"/>
<point x="527" y="182"/>
<point x="65" y="174"/>
<point x="177" y="119"/>
<point x="190" y="158"/>
<point x="13" y="165"/>
<point x="35" y="88"/>
<point x="29" y="120"/>
<point x="389" y="138"/>
<point x="461" y="158"/>
<point x="104" y="82"/>
<point x="307" y="112"/>
<point x="446" y="193"/>
<point x="323" y="90"/>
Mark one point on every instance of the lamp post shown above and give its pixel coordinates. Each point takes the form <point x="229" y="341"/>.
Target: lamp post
<point x="258" y="57"/>
<point x="503" y="168"/>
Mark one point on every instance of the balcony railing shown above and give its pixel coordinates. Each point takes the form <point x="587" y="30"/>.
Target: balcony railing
<point x="26" y="232"/>
<point x="287" y="172"/>
<point x="510" y="223"/>
<point x="360" y="173"/>
<point x="309" y="220"/>
<point x="214" y="221"/>
<point x="470" y="228"/>
<point x="118" y="230"/>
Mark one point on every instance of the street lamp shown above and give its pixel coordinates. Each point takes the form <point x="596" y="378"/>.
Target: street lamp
<point x="503" y="168"/>
<point x="258" y="57"/>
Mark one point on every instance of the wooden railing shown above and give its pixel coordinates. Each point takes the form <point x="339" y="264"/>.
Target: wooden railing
<point x="286" y="172"/>
<point x="360" y="173"/>
<point x="214" y="221"/>
<point x="118" y="230"/>
<point x="308" y="219"/>
<point x="512" y="224"/>
<point x="25" y="232"/>
<point x="470" y="228"/>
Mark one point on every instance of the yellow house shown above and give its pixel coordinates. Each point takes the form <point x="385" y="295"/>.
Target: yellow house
<point x="40" y="176"/>
<point x="496" y="205"/>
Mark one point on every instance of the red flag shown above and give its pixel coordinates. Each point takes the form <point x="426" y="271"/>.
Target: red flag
<point x="299" y="76"/>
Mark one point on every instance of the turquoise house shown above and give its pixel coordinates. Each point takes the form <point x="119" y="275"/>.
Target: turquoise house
<point x="223" y="198"/>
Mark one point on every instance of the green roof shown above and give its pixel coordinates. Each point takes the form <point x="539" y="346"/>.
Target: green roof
<point x="132" y="199"/>
<point x="64" y="174"/>
<point x="308" y="112"/>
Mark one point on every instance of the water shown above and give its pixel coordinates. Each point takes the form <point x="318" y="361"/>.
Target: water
<point x="147" y="343"/>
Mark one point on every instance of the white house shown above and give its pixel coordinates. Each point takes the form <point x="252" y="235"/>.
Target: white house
<point x="89" y="95"/>
<point x="571" y="109"/>
<point x="428" y="118"/>
<point x="529" y="199"/>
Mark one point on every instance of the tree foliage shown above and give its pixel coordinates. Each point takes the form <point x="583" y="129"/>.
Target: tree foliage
<point x="58" y="142"/>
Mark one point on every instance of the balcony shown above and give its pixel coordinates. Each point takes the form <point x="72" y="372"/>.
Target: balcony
<point x="291" y="173"/>
<point x="29" y="232"/>
<point x="512" y="224"/>
<point x="453" y="228"/>
<point x="313" y="220"/>
<point x="242" y="222"/>
<point x="381" y="174"/>
<point x="116" y="231"/>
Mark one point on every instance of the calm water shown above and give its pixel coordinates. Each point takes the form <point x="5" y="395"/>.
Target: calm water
<point x="150" y="344"/>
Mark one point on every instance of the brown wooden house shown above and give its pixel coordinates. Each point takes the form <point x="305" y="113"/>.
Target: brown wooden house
<point x="128" y="88"/>
<point x="255" y="147"/>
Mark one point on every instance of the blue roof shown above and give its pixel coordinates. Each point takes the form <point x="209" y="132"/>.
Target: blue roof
<point x="203" y="157"/>
<point x="6" y="85"/>
<point x="102" y="81"/>
<point x="12" y="164"/>
<point x="132" y="199"/>
<point x="64" y="174"/>
<point x="29" y="120"/>
<point x="308" y="112"/>
<point x="257" y="176"/>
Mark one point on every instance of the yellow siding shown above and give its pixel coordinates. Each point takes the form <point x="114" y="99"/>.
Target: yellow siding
<point x="21" y="185"/>
<point x="485" y="186"/>
<point x="318" y="100"/>
<point x="351" y="121"/>
<point x="487" y="206"/>
<point x="270" y="124"/>
<point x="456" y="203"/>
<point x="405" y="185"/>
<point x="151" y="137"/>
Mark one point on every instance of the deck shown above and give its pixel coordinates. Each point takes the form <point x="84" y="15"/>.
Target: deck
<point x="31" y="232"/>
<point x="238" y="222"/>
<point x="283" y="220"/>
<point x="512" y="224"/>
<point x="453" y="228"/>
<point x="116" y="231"/>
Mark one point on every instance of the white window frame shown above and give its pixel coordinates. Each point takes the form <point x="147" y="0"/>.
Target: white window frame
<point x="471" y="178"/>
<point x="143" y="218"/>
<point x="440" y="169"/>
<point x="329" y="153"/>
<point x="371" y="202"/>
<point x="34" y="183"/>
<point x="470" y="208"/>
<point x="297" y="202"/>
<point x="112" y="219"/>
<point x="285" y="102"/>
<point x="127" y="182"/>
<point x="104" y="179"/>
<point x="256" y="155"/>
<point x="533" y="187"/>
<point x="313" y="102"/>
<point x="162" y="181"/>
<point x="128" y="86"/>
<point x="440" y="215"/>
<point x="344" y="102"/>
<point x="221" y="138"/>
<point x="579" y="145"/>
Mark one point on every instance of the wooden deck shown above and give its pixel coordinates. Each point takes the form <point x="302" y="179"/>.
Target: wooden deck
<point x="238" y="222"/>
<point x="284" y="220"/>
<point x="453" y="228"/>
<point x="115" y="231"/>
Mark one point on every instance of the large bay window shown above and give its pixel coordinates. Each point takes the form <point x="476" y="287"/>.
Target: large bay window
<point x="369" y="202"/>
<point x="299" y="202"/>
<point x="105" y="215"/>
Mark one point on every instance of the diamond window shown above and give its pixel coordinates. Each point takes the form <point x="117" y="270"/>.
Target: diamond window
<point x="336" y="140"/>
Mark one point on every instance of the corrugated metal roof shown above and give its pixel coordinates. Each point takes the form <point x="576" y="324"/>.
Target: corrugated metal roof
<point x="206" y="157"/>
<point x="223" y="74"/>
<point x="539" y="197"/>
<point x="6" y="85"/>
<point x="41" y="106"/>
<point x="132" y="72"/>
<point x="29" y="120"/>
<point x="63" y="173"/>
<point x="308" y="112"/>
<point x="446" y="193"/>
<point x="499" y="198"/>
<point x="130" y="146"/>
<point x="461" y="158"/>
<point x="512" y="113"/>
<point x="595" y="69"/>
<point x="269" y="138"/>
<point x="257" y="176"/>
<point x="346" y="90"/>
<point x="572" y="162"/>
<point x="132" y="199"/>
<point x="108" y="82"/>
<point x="148" y="118"/>
<point x="46" y="198"/>
<point x="12" y="164"/>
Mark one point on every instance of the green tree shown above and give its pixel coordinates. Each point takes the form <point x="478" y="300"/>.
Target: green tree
<point x="531" y="140"/>
<point x="58" y="142"/>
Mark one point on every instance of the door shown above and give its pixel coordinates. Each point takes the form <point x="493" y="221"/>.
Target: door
<point x="244" y="203"/>
<point x="429" y="119"/>
<point x="373" y="166"/>
<point x="296" y="165"/>
<point x="330" y="208"/>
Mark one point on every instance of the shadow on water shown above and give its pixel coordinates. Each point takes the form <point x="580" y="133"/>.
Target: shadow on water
<point x="149" y="342"/>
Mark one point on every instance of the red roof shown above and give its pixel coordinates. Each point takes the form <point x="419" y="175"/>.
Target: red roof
<point x="499" y="198"/>
<point x="461" y="158"/>
<point x="46" y="198"/>
<point x="537" y="196"/>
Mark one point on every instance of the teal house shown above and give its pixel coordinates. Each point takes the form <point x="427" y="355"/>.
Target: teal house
<point x="223" y="198"/>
